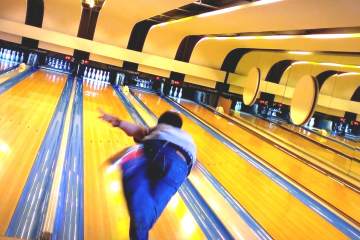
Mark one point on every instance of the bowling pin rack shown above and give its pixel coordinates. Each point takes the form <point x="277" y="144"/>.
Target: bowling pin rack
<point x="58" y="64"/>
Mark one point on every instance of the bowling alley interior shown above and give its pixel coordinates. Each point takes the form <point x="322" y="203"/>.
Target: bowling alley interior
<point x="269" y="90"/>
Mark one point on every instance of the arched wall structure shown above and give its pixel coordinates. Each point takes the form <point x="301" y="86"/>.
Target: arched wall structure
<point x="184" y="53"/>
<point x="118" y="18"/>
<point x="13" y="10"/>
<point x="164" y="39"/>
<point x="293" y="67"/>
<point x="137" y="40"/>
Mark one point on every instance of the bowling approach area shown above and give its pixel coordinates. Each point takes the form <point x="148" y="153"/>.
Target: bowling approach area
<point x="268" y="89"/>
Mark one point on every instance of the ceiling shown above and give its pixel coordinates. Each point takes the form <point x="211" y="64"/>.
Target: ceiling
<point x="195" y="8"/>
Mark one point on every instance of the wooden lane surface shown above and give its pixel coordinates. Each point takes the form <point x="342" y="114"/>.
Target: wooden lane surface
<point x="341" y="197"/>
<point x="337" y="144"/>
<point x="351" y="167"/>
<point x="25" y="113"/>
<point x="304" y="144"/>
<point x="346" y="165"/>
<point x="106" y="216"/>
<point x="278" y="212"/>
<point x="237" y="227"/>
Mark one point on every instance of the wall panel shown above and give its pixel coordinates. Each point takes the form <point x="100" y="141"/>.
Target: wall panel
<point x="63" y="17"/>
<point x="164" y="39"/>
<point x="13" y="10"/>
<point x="117" y="18"/>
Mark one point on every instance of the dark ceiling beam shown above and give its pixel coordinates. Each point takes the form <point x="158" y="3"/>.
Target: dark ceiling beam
<point x="137" y="40"/>
<point x="89" y="17"/>
<point x="206" y="5"/>
<point x="184" y="53"/>
<point x="34" y="17"/>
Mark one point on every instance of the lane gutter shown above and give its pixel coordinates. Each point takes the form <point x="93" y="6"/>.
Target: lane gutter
<point x="69" y="218"/>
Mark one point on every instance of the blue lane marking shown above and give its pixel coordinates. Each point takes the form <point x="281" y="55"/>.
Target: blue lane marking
<point x="210" y="224"/>
<point x="30" y="212"/>
<point x="69" y="220"/>
<point x="250" y="221"/>
<point x="9" y="69"/>
<point x="16" y="79"/>
<point x="342" y="225"/>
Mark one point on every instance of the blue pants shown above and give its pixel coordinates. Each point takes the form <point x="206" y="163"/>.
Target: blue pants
<point x="149" y="182"/>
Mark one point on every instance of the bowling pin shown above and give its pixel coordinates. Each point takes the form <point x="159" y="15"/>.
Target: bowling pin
<point x="162" y="88"/>
<point x="171" y="90"/>
<point x="12" y="56"/>
<point x="180" y="93"/>
<point x="108" y="77"/>
<point x="8" y="54"/>
<point x="103" y="76"/>
<point x="89" y="73"/>
<point x="1" y="53"/>
<point x="17" y="57"/>
<point x="175" y="93"/>
<point x="22" y="57"/>
<point x="93" y="74"/>
<point x="85" y="72"/>
<point x="97" y="74"/>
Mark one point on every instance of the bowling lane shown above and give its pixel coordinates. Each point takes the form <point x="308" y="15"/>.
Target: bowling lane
<point x="333" y="192"/>
<point x="25" y="113"/>
<point x="278" y="212"/>
<point x="105" y="210"/>
<point x="297" y="136"/>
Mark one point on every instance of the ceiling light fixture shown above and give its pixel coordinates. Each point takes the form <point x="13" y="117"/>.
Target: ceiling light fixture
<point x="300" y="52"/>
<point x="234" y="8"/>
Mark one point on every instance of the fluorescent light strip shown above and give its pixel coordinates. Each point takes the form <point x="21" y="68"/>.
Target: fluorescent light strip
<point x="218" y="12"/>
<point x="300" y="52"/>
<point x="332" y="36"/>
<point x="235" y="8"/>
<point x="327" y="64"/>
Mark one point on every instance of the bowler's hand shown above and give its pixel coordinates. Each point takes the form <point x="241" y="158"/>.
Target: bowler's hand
<point x="114" y="121"/>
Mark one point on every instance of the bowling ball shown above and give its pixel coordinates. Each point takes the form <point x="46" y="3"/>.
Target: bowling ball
<point x="126" y="89"/>
<point x="220" y="109"/>
<point x="22" y="66"/>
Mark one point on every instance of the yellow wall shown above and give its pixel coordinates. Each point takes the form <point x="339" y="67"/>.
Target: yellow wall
<point x="117" y="19"/>
<point x="106" y="50"/>
<point x="61" y="16"/>
<point x="13" y="10"/>
<point x="164" y="39"/>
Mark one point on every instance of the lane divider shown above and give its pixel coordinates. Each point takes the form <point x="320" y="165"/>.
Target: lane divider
<point x="30" y="212"/>
<point x="301" y="194"/>
<point x="239" y="209"/>
<point x="210" y="224"/>
<point x="69" y="218"/>
<point x="16" y="79"/>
